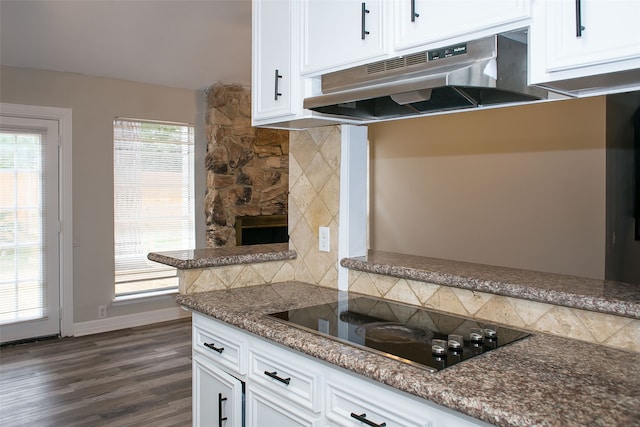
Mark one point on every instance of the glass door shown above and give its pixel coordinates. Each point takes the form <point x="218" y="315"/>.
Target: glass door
<point x="29" y="235"/>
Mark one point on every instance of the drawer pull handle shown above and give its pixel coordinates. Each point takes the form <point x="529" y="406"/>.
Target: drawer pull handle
<point x="275" y="376"/>
<point x="363" y="418"/>
<point x="213" y="347"/>
<point x="220" y="417"/>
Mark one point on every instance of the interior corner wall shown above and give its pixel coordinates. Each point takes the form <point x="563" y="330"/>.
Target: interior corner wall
<point x="622" y="251"/>
<point x="95" y="102"/>
<point x="521" y="186"/>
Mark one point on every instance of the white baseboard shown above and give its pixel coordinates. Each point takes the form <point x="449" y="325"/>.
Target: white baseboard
<point x="129" y="321"/>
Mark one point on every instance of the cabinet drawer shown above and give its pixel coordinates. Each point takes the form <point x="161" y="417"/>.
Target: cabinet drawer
<point x="350" y="406"/>
<point x="355" y="402"/>
<point x="288" y="377"/>
<point x="220" y="344"/>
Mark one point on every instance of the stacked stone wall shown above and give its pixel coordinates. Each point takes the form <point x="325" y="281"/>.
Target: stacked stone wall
<point x="247" y="167"/>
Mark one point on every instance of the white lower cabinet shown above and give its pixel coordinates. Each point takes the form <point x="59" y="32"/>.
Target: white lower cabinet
<point x="285" y="388"/>
<point x="217" y="396"/>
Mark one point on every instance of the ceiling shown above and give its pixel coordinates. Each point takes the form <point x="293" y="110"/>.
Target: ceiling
<point x="177" y="43"/>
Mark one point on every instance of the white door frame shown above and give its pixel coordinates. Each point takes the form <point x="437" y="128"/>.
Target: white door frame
<point x="63" y="116"/>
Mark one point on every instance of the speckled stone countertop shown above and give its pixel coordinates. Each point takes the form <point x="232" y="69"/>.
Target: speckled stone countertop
<point x="621" y="299"/>
<point x="539" y="381"/>
<point x="218" y="257"/>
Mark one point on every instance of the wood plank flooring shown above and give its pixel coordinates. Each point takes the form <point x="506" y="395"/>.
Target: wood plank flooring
<point x="131" y="377"/>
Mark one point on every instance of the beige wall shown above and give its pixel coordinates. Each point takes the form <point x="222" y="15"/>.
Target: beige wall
<point x="521" y="187"/>
<point x="94" y="103"/>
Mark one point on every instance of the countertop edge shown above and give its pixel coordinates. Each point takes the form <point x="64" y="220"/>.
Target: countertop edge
<point x="187" y="260"/>
<point x="515" y="290"/>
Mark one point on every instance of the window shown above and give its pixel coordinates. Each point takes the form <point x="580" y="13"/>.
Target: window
<point x="153" y="201"/>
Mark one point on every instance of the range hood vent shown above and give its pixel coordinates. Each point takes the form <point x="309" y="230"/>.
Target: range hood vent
<point x="486" y="71"/>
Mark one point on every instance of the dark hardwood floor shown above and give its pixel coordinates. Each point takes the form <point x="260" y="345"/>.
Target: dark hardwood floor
<point x="131" y="377"/>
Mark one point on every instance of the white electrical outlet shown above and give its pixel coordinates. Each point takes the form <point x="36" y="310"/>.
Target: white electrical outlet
<point x="102" y="311"/>
<point x="324" y="243"/>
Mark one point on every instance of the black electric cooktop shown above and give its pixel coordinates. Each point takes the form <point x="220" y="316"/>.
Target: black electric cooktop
<point x="419" y="336"/>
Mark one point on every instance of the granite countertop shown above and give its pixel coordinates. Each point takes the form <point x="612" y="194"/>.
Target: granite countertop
<point x="218" y="257"/>
<point x="621" y="299"/>
<point x="539" y="381"/>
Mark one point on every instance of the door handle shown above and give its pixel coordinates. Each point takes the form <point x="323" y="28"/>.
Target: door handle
<point x="414" y="15"/>
<point x="220" y="418"/>
<point x="579" y="27"/>
<point x="278" y="77"/>
<point x="364" y="21"/>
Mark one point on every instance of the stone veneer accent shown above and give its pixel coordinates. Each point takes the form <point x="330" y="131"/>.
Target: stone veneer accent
<point x="314" y="201"/>
<point x="247" y="167"/>
<point x="583" y="325"/>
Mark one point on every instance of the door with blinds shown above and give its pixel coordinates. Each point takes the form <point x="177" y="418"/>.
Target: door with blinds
<point x="29" y="228"/>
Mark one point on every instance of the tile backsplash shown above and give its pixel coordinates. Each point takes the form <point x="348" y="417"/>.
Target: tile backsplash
<point x="605" y="329"/>
<point x="314" y="181"/>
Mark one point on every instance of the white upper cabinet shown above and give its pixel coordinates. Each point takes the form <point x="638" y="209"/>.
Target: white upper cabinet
<point x="274" y="76"/>
<point x="419" y="22"/>
<point x="579" y="38"/>
<point x="341" y="32"/>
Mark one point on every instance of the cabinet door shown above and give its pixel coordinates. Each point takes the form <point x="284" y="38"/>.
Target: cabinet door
<point x="266" y="409"/>
<point x="217" y="396"/>
<point x="425" y="21"/>
<point x="609" y="32"/>
<point x="339" y="33"/>
<point x="272" y="51"/>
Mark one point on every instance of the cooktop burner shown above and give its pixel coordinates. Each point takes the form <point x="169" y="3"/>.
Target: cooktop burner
<point x="426" y="338"/>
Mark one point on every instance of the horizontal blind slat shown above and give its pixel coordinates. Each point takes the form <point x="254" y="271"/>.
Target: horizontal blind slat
<point x="153" y="186"/>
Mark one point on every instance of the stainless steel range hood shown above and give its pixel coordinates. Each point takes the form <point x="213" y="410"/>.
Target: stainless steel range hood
<point x="486" y="71"/>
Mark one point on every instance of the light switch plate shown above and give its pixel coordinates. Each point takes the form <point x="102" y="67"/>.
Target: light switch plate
<point x="324" y="243"/>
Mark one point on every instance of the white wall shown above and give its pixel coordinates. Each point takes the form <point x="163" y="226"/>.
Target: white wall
<point x="520" y="187"/>
<point x="95" y="102"/>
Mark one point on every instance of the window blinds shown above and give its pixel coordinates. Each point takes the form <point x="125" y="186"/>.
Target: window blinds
<point x="153" y="195"/>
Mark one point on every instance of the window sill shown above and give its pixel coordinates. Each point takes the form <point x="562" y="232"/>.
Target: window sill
<point x="145" y="296"/>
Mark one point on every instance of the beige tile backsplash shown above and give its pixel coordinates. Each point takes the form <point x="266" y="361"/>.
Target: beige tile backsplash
<point x="314" y="180"/>
<point x="609" y="330"/>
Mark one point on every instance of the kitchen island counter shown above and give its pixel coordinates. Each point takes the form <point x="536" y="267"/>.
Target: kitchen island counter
<point x="542" y="380"/>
